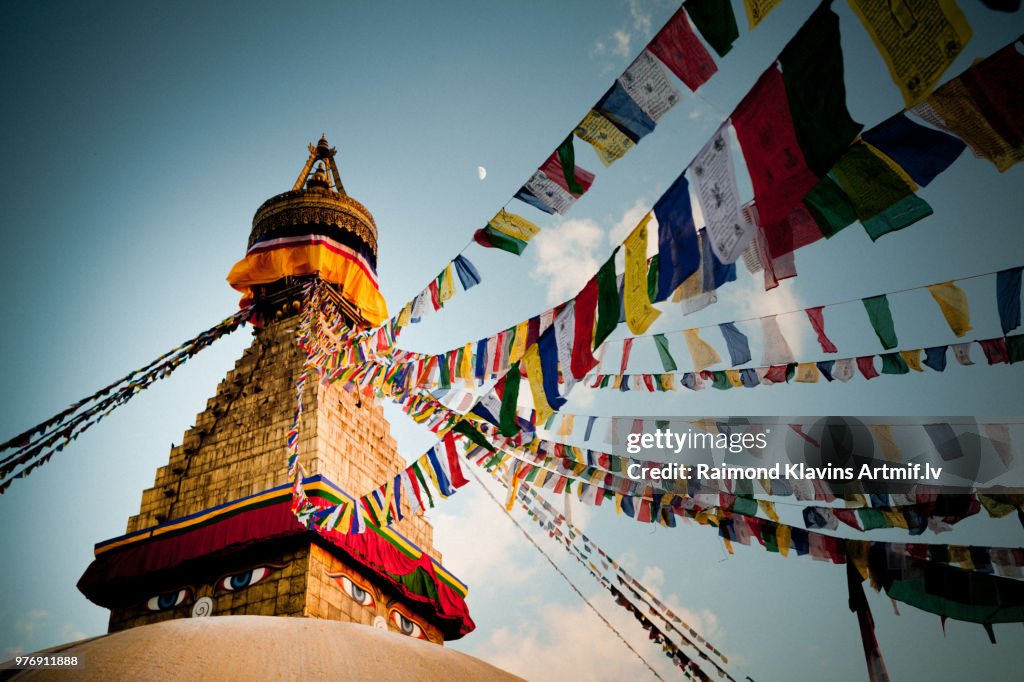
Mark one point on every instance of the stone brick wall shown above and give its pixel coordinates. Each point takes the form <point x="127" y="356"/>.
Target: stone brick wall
<point x="237" y="448"/>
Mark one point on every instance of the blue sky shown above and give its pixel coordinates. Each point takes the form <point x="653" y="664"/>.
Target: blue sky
<point x="140" y="138"/>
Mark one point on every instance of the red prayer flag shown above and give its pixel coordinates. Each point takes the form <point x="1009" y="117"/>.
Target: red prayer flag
<point x="795" y="232"/>
<point x="553" y="169"/>
<point x="678" y="47"/>
<point x="583" y="359"/>
<point x="454" y="467"/>
<point x="627" y="347"/>
<point x="866" y="365"/>
<point x="995" y="350"/>
<point x="778" y="170"/>
<point x="776" y="374"/>
<point x="817" y="318"/>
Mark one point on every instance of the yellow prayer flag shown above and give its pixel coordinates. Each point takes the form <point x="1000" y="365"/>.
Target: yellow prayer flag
<point x="958" y="554"/>
<point x="703" y="355"/>
<point x="446" y="287"/>
<point x="918" y="44"/>
<point x="733" y="375"/>
<point x="896" y="168"/>
<point x="707" y="425"/>
<point x="807" y="373"/>
<point x="953" y="302"/>
<point x="692" y="286"/>
<point x="857" y="552"/>
<point x="531" y="361"/>
<point x="913" y="359"/>
<point x="639" y="311"/>
<point x="953" y="107"/>
<point x="404" y="316"/>
<point x="883" y="436"/>
<point x="518" y="341"/>
<point x="514" y="226"/>
<point x="768" y="507"/>
<point x="894" y="519"/>
<point x="783" y="538"/>
<point x="610" y="143"/>
<point x="466" y="366"/>
<point x="758" y="10"/>
<point x="565" y="428"/>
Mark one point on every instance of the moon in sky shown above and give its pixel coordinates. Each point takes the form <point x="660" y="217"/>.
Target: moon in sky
<point x="481" y="172"/>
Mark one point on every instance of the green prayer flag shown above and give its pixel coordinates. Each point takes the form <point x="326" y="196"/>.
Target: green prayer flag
<point x="812" y="70"/>
<point x="495" y="238"/>
<point x="666" y="358"/>
<point x="652" y="280"/>
<point x="744" y="487"/>
<point x="830" y="207"/>
<point x="422" y="480"/>
<point x="470" y="432"/>
<point x="721" y="380"/>
<point x="1015" y="348"/>
<point x="877" y="192"/>
<point x="906" y="211"/>
<point x="871" y="519"/>
<point x="607" y="301"/>
<point x="747" y="506"/>
<point x="768" y="534"/>
<point x="893" y="363"/>
<point x="567" y="157"/>
<point x="881" y="320"/>
<point x="442" y="365"/>
<point x="508" y="425"/>
<point x="715" y="21"/>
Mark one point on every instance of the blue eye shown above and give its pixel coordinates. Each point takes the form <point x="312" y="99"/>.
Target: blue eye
<point x="357" y="593"/>
<point x="239" y="581"/>
<point x="169" y="600"/>
<point x="407" y="626"/>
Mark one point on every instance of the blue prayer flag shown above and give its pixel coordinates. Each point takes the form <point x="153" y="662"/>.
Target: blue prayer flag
<point x="922" y="152"/>
<point x="935" y="357"/>
<point x="548" y="349"/>
<point x="739" y="348"/>
<point x="1008" y="298"/>
<point x="678" y="250"/>
<point x="622" y="110"/>
<point x="467" y="272"/>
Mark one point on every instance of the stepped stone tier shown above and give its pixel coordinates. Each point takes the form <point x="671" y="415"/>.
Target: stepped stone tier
<point x="215" y="534"/>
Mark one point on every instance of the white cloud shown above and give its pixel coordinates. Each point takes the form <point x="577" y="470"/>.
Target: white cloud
<point x="536" y="648"/>
<point x="641" y="18"/>
<point x="619" y="42"/>
<point x="748" y="299"/>
<point x="630" y="219"/>
<point x="567" y="257"/>
<point x="484" y="549"/>
<point x="621" y="39"/>
<point x="35" y="630"/>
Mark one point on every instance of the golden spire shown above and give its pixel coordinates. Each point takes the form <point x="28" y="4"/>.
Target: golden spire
<point x="324" y="153"/>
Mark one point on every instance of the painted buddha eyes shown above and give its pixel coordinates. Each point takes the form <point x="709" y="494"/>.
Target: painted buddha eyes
<point x="407" y="626"/>
<point x="240" y="581"/>
<point x="357" y="593"/>
<point x="168" y="600"/>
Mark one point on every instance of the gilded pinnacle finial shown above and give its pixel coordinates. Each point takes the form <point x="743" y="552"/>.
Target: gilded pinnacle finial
<point x="325" y="154"/>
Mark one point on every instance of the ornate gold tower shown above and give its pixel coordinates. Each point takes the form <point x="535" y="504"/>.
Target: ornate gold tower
<point x="215" y="534"/>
